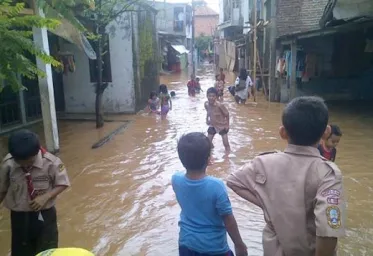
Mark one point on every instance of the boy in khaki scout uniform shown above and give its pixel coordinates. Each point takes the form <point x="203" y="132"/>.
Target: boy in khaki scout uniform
<point x="300" y="192"/>
<point x="30" y="180"/>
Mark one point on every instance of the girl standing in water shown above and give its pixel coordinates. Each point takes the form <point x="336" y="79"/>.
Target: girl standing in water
<point x="219" y="86"/>
<point x="242" y="87"/>
<point x="153" y="103"/>
<point x="165" y="99"/>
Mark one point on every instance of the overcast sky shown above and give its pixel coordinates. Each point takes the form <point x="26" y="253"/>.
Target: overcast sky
<point x="213" y="4"/>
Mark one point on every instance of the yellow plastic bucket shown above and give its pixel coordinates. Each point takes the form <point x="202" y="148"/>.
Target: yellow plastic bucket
<point x="66" y="252"/>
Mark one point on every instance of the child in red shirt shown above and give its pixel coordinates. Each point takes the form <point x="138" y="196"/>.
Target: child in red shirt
<point x="327" y="147"/>
<point x="192" y="86"/>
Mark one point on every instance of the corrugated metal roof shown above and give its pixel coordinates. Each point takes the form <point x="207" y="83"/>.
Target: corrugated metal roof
<point x="180" y="49"/>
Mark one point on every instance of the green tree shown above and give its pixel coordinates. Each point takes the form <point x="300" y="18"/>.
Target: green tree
<point x="94" y="21"/>
<point x="17" y="42"/>
<point x="203" y="42"/>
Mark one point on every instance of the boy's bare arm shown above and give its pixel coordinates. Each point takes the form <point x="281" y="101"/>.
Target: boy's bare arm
<point x="325" y="246"/>
<point x="207" y="114"/>
<point x="232" y="229"/>
<point x="225" y="111"/>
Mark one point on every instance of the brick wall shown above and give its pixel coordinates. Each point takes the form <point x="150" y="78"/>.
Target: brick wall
<point x="205" y="25"/>
<point x="295" y="16"/>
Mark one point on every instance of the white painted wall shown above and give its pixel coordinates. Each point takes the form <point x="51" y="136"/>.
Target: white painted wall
<point x="119" y="97"/>
<point x="221" y="11"/>
<point x="165" y="16"/>
<point x="245" y="14"/>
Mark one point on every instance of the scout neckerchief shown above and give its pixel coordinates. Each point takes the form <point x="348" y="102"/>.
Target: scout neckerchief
<point x="30" y="186"/>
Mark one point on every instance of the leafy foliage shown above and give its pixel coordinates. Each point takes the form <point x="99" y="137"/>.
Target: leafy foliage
<point x="17" y="42"/>
<point x="203" y="42"/>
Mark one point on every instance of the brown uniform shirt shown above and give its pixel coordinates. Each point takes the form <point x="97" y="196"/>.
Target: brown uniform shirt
<point x="48" y="172"/>
<point x="219" y="115"/>
<point x="301" y="195"/>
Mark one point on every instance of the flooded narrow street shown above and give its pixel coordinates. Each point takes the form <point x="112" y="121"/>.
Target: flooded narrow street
<point x="122" y="203"/>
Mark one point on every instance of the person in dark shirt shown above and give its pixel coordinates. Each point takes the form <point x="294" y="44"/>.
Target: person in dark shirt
<point x="327" y="147"/>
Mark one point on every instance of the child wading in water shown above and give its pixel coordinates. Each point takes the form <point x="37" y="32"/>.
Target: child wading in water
<point x="219" y="86"/>
<point x="206" y="212"/>
<point x="198" y="88"/>
<point x="327" y="147"/>
<point x="192" y="86"/>
<point x="153" y="103"/>
<point x="165" y="98"/>
<point x="222" y="75"/>
<point x="217" y="118"/>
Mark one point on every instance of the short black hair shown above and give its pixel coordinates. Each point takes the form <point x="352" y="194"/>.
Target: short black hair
<point x="23" y="145"/>
<point x="335" y="130"/>
<point x="305" y="120"/>
<point x="243" y="74"/>
<point x="212" y="90"/>
<point x="152" y="94"/>
<point x="163" y="89"/>
<point x="173" y="94"/>
<point x="194" y="150"/>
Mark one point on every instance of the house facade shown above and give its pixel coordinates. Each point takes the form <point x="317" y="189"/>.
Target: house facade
<point x="131" y="71"/>
<point x="235" y="23"/>
<point x="205" y="20"/>
<point x="130" y="67"/>
<point x="319" y="47"/>
<point x="174" y="29"/>
<point x="37" y="103"/>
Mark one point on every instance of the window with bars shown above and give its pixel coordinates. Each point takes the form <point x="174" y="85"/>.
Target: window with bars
<point x="10" y="110"/>
<point x="32" y="99"/>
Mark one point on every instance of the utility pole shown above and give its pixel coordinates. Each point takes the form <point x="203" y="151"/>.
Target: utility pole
<point x="193" y="59"/>
<point x="255" y="49"/>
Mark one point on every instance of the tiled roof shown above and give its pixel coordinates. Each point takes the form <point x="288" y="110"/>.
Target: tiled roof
<point x="296" y="16"/>
<point x="205" y="11"/>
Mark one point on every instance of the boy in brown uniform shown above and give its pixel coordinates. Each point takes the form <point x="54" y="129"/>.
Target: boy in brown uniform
<point x="301" y="193"/>
<point x="30" y="180"/>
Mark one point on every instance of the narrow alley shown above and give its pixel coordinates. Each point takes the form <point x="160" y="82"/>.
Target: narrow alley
<point x="121" y="201"/>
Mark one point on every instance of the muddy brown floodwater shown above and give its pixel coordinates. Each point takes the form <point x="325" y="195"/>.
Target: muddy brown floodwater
<point x="121" y="201"/>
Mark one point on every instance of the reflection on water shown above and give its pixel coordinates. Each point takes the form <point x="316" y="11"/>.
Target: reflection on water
<point x="122" y="202"/>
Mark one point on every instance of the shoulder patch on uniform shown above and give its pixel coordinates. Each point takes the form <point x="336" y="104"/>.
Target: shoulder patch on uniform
<point x="61" y="167"/>
<point x="333" y="215"/>
<point x="269" y="152"/>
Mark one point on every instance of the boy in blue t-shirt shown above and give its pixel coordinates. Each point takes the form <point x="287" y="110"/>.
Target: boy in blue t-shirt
<point x="206" y="212"/>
